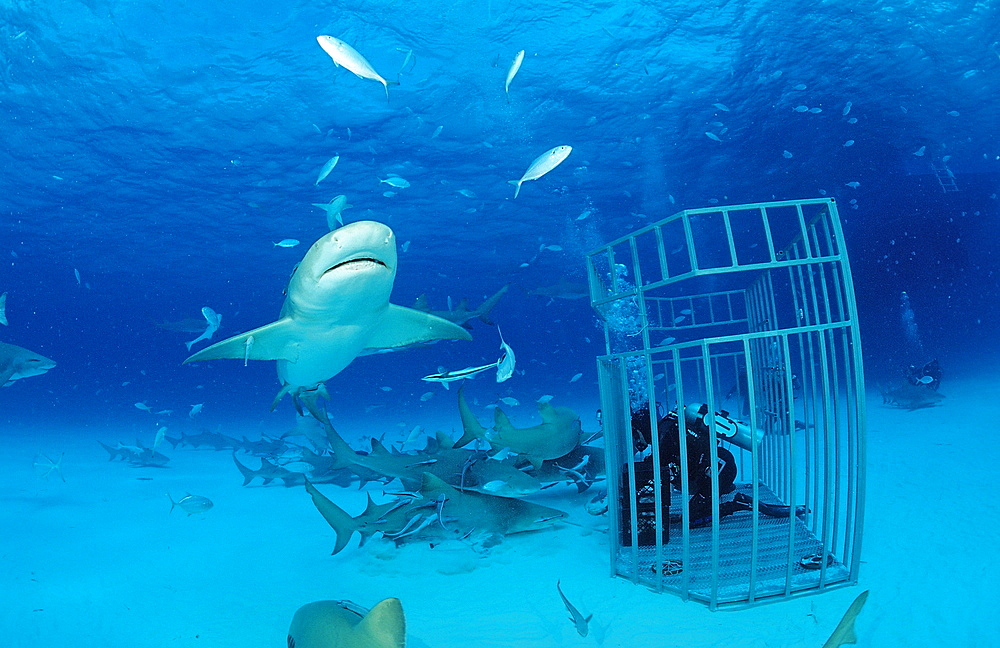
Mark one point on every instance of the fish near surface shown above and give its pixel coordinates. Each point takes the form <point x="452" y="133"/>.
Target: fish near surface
<point x="17" y="362"/>
<point x="460" y="515"/>
<point x="337" y="308"/>
<point x="347" y="57"/>
<point x="339" y="624"/>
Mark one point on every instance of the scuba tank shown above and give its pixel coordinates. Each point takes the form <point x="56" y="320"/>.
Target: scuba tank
<point x="726" y="428"/>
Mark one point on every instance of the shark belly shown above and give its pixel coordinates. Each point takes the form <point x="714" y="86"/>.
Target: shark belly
<point x="331" y="350"/>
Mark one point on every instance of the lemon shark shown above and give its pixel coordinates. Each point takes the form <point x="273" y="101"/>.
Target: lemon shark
<point x="465" y="469"/>
<point x="17" y="362"/>
<point x="336" y="309"/>
<point x="438" y="512"/>
<point x="341" y="624"/>
<point x="557" y="435"/>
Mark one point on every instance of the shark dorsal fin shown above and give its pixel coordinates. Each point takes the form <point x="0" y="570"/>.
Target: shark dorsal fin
<point x="421" y="303"/>
<point x="378" y="448"/>
<point x="444" y="441"/>
<point x="500" y="419"/>
<point x="431" y="484"/>
<point x="383" y="626"/>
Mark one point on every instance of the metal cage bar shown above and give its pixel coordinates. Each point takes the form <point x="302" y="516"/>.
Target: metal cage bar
<point x="768" y="308"/>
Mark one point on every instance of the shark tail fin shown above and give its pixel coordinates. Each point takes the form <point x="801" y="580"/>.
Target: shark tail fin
<point x="844" y="632"/>
<point x="342" y="453"/>
<point x="111" y="451"/>
<point x="472" y="429"/>
<point x="487" y="306"/>
<point x="248" y="474"/>
<point x="517" y="187"/>
<point x="384" y="626"/>
<point x="338" y="519"/>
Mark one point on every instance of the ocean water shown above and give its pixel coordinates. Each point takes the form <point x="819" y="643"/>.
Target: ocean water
<point x="153" y="153"/>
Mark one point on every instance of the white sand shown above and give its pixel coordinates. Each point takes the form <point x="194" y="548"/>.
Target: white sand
<point x="98" y="561"/>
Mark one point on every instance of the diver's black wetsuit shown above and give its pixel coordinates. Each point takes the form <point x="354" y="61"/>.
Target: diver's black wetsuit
<point x="698" y="463"/>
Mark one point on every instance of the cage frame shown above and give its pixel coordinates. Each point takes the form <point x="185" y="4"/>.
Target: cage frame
<point x="824" y="330"/>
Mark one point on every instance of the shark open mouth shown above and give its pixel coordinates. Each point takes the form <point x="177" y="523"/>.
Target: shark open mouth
<point x="367" y="260"/>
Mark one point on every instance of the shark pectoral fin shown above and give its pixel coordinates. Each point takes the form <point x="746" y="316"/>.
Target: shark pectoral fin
<point x="536" y="462"/>
<point x="274" y="341"/>
<point x="401" y="326"/>
<point x="383" y="626"/>
<point x="6" y="373"/>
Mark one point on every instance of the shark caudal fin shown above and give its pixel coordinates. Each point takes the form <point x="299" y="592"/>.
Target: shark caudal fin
<point x="844" y="632"/>
<point x="338" y="519"/>
<point x="343" y="454"/>
<point x="472" y="429"/>
<point x="247" y="473"/>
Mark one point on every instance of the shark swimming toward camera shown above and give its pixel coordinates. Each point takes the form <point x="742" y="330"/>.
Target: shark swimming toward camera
<point x="337" y="308"/>
<point x="17" y="362"/>
<point x="343" y="624"/>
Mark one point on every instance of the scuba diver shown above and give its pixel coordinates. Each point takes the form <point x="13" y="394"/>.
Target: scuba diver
<point x="699" y="461"/>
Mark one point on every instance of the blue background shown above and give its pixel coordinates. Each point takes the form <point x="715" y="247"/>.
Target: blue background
<point x="160" y="149"/>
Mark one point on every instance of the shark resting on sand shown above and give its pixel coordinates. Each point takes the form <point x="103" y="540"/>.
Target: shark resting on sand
<point x="337" y="308"/>
<point x="17" y="362"/>
<point x="342" y="624"/>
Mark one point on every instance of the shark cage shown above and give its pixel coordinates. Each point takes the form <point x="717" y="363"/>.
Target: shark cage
<point x="733" y="403"/>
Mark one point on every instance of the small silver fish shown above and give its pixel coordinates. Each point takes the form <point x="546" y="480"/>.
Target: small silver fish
<point x="3" y="309"/>
<point x="347" y="57"/>
<point x="246" y="350"/>
<point x="191" y="504"/>
<point x="287" y="243"/>
<point x="712" y="136"/>
<point x="541" y="165"/>
<point x="327" y="168"/>
<point x="395" y="181"/>
<point x="515" y="65"/>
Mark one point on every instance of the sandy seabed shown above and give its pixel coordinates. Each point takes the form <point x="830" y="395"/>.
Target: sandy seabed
<point x="99" y="561"/>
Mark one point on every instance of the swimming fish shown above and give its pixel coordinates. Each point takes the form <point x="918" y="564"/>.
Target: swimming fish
<point x="144" y="407"/>
<point x="334" y="211"/>
<point x="287" y="243"/>
<point x="722" y="107"/>
<point x="437" y="131"/>
<point x="541" y="165"/>
<point x="712" y="136"/>
<point x="578" y="619"/>
<point x="191" y="504"/>
<point x="44" y="466"/>
<point x="327" y="168"/>
<point x="515" y="65"/>
<point x="396" y="181"/>
<point x="446" y="377"/>
<point x="505" y="365"/>
<point x="347" y="57"/>
<point x="3" y="309"/>
<point x="214" y="321"/>
<point x="248" y="345"/>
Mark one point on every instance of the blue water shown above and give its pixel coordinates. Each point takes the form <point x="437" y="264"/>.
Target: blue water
<point x="161" y="150"/>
